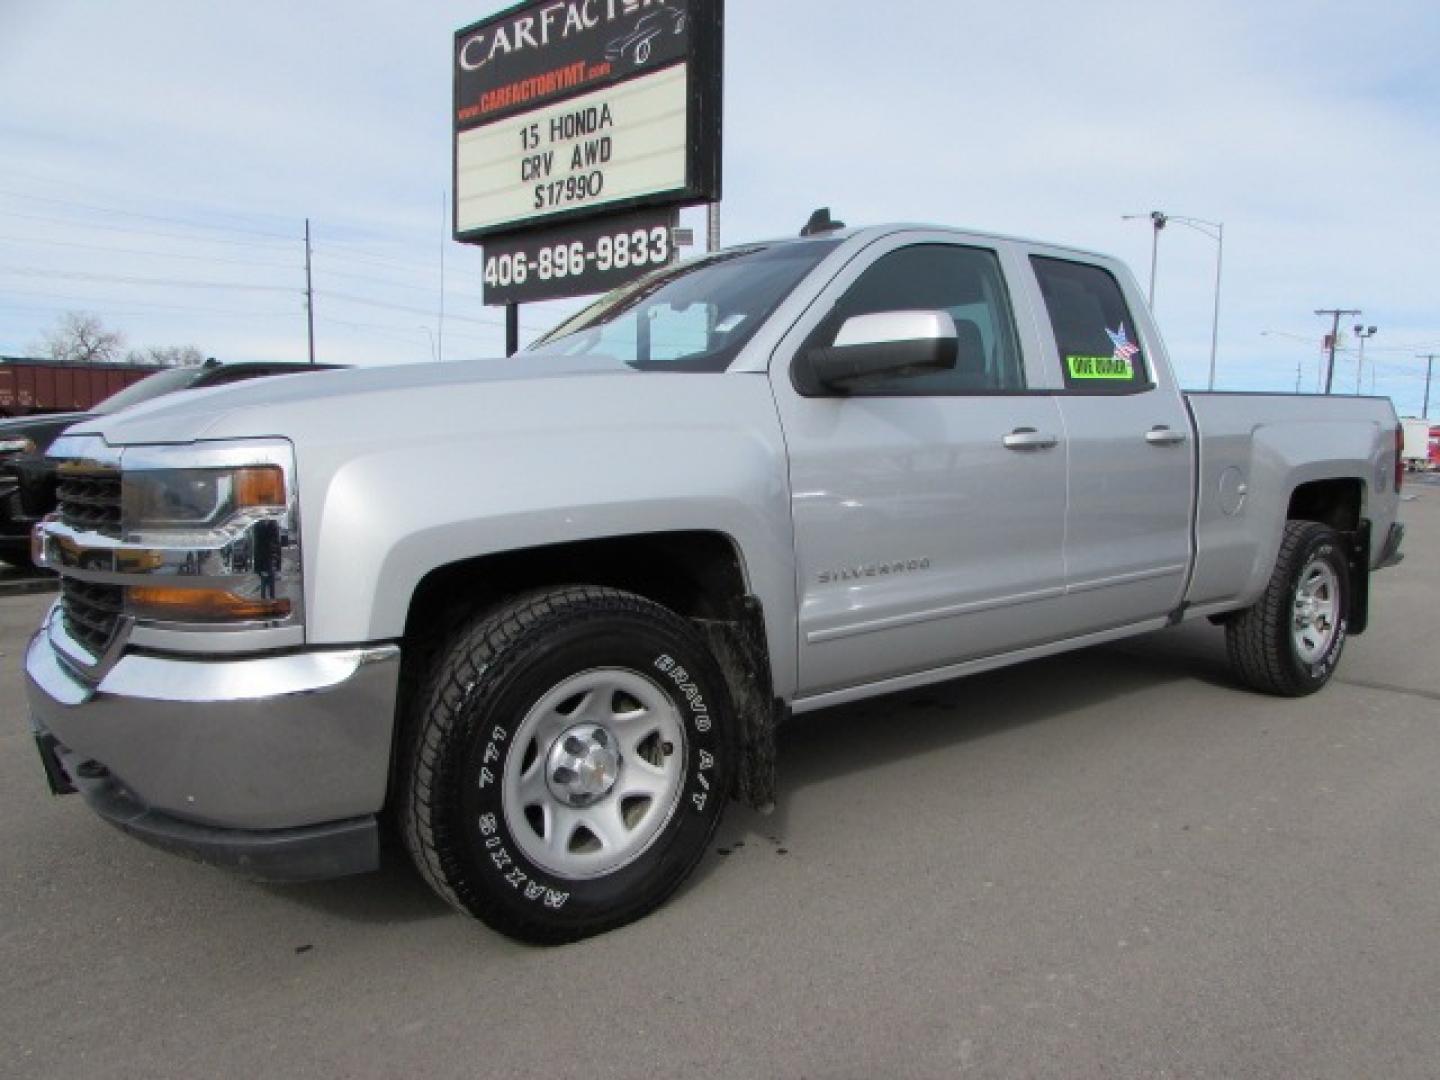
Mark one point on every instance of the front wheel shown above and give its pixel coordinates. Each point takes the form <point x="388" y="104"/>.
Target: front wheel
<point x="570" y="764"/>
<point x="1289" y="642"/>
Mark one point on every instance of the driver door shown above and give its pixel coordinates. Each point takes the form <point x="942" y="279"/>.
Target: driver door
<point x="929" y="509"/>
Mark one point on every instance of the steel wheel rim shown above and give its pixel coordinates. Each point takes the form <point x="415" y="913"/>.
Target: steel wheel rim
<point x="565" y="809"/>
<point x="1315" y="618"/>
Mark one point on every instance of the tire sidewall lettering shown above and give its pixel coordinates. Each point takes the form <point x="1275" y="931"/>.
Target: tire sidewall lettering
<point x="699" y="776"/>
<point x="522" y="879"/>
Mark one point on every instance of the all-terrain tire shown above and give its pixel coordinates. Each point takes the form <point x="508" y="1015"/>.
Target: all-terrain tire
<point x="494" y="708"/>
<point x="1272" y="646"/>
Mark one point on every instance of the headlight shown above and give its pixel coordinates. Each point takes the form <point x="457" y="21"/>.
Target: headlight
<point x="198" y="498"/>
<point x="17" y="446"/>
<point x="193" y="538"/>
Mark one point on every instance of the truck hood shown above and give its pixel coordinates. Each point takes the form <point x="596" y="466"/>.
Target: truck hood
<point x="383" y="401"/>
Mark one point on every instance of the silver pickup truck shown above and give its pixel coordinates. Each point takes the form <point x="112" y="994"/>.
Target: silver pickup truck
<point x="546" y="617"/>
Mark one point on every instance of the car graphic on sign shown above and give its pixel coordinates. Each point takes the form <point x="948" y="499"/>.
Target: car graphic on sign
<point x="637" y="44"/>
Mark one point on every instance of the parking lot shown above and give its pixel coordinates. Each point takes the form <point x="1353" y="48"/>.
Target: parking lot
<point x="1109" y="863"/>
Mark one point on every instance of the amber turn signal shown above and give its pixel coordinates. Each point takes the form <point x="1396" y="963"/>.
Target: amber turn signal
<point x="260" y="485"/>
<point x="202" y="605"/>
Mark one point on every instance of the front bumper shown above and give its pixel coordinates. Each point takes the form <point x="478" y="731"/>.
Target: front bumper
<point x="276" y="765"/>
<point x="310" y="853"/>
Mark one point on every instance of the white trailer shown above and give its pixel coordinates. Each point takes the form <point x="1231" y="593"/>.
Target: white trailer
<point x="1417" y="444"/>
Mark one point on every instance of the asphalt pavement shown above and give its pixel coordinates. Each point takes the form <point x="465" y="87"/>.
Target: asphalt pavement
<point x="1112" y="863"/>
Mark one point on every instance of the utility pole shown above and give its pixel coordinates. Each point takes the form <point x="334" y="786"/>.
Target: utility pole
<point x="712" y="230"/>
<point x="309" y="294"/>
<point x="1337" y="314"/>
<point x="1297" y="378"/>
<point x="1429" y="359"/>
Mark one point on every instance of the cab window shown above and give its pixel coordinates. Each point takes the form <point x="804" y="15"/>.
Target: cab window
<point x="968" y="285"/>
<point x="1094" y="330"/>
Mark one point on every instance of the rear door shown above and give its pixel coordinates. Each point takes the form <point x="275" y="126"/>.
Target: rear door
<point x="1128" y="542"/>
<point x="929" y="509"/>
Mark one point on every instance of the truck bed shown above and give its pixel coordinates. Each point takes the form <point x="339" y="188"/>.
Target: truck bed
<point x="1254" y="450"/>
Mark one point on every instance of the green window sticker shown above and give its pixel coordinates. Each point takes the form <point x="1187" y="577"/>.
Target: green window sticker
<point x="1100" y="367"/>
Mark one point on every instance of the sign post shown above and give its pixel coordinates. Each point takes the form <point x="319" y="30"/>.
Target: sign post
<point x="580" y="129"/>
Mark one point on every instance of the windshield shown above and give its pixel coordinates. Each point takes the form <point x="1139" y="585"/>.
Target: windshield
<point x="695" y="317"/>
<point x="152" y="386"/>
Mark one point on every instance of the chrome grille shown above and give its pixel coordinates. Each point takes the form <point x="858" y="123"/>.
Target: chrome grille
<point x="91" y="612"/>
<point x="89" y="499"/>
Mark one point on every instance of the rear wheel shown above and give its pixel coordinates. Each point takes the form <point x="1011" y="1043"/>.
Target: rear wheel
<point x="570" y="764"/>
<point x="1290" y="641"/>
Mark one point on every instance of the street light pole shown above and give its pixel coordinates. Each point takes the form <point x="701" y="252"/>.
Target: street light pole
<point x="1215" y="230"/>
<point x="1205" y="228"/>
<point x="1364" y="334"/>
<point x="1215" y="320"/>
<point x="1157" y="221"/>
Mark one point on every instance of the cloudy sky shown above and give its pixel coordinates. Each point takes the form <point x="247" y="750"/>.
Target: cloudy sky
<point x="158" y="159"/>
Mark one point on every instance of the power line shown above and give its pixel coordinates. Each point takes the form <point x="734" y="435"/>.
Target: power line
<point x="123" y="279"/>
<point x="51" y="182"/>
<point x="68" y="303"/>
<point x="369" y="255"/>
<point x="347" y="251"/>
<point x="362" y="256"/>
<point x="147" y="217"/>
<point x="149" y="253"/>
<point x="221" y="260"/>
<point x="321" y="272"/>
<point x="267" y="244"/>
<point x="398" y="331"/>
<point x="352" y="299"/>
<point x="393" y="284"/>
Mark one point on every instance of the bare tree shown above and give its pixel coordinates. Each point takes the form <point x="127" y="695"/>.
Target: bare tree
<point x="81" y="338"/>
<point x="167" y="356"/>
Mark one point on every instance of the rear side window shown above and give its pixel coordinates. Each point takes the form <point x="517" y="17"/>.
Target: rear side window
<point x="1099" y="346"/>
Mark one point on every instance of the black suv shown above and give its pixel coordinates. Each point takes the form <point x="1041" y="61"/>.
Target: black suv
<point x="27" y="477"/>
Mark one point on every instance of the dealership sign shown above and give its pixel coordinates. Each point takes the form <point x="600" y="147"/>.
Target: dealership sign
<point x="574" y="109"/>
<point x="579" y="258"/>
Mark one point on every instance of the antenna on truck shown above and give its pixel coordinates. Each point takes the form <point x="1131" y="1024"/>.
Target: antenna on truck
<point x="821" y="222"/>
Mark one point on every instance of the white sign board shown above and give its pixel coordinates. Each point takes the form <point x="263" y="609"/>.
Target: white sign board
<point x="620" y="143"/>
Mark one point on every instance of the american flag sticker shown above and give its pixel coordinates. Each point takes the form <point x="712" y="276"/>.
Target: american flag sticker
<point x="1118" y="365"/>
<point x="1125" y="349"/>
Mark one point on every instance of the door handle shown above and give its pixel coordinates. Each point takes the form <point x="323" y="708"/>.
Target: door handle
<point x="1026" y="438"/>
<point x="1160" y="435"/>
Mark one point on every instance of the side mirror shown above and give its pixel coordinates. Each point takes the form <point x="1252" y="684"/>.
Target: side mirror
<point x="887" y="343"/>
